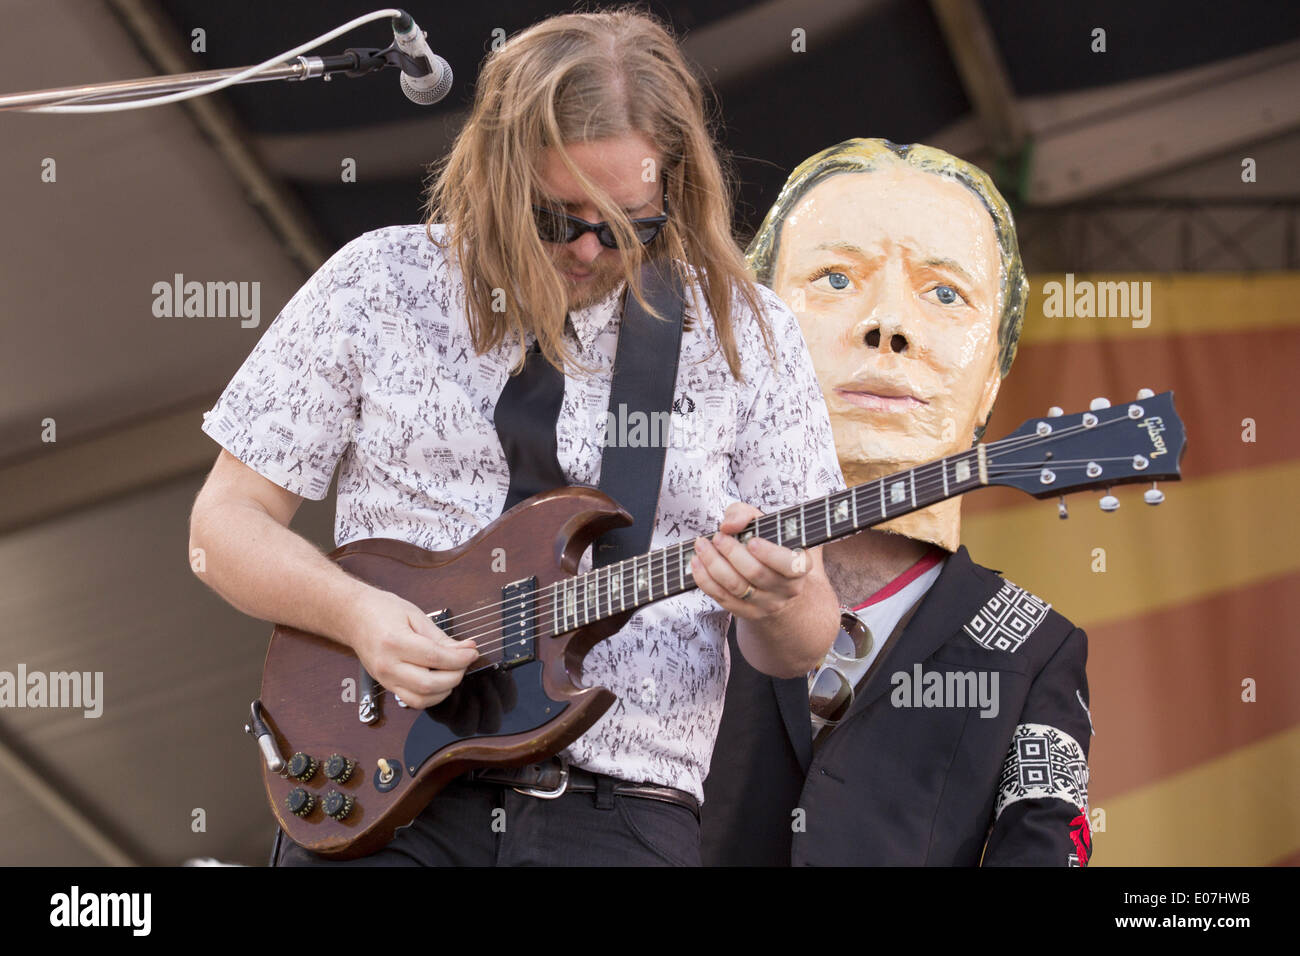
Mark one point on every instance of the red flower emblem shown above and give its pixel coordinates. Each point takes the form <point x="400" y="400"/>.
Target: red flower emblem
<point x="1081" y="834"/>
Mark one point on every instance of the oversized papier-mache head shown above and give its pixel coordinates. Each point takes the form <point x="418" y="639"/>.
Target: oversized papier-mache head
<point x="902" y="267"/>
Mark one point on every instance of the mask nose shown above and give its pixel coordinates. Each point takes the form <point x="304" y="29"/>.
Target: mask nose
<point x="885" y="328"/>
<point x="897" y="341"/>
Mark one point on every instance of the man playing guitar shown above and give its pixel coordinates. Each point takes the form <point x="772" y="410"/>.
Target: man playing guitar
<point x="586" y="155"/>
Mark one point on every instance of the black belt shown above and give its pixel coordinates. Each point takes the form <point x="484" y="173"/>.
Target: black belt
<point x="553" y="778"/>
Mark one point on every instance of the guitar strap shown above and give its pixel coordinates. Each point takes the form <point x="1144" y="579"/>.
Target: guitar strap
<point x="645" y="374"/>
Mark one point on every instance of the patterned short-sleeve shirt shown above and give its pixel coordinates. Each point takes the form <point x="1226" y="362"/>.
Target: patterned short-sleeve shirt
<point x="370" y="368"/>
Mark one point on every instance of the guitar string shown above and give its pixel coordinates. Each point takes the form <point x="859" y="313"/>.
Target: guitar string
<point x="606" y="593"/>
<point x="504" y="641"/>
<point x="658" y="577"/>
<point x="928" y="483"/>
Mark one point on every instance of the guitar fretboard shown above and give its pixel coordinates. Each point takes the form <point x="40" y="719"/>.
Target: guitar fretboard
<point x="635" y="582"/>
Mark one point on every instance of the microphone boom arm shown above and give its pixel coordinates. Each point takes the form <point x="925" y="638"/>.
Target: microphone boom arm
<point x="352" y="62"/>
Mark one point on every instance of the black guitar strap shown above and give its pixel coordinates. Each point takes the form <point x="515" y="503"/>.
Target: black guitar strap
<point x="645" y="374"/>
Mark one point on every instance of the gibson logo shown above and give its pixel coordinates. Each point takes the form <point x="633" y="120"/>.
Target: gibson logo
<point x="1155" y="426"/>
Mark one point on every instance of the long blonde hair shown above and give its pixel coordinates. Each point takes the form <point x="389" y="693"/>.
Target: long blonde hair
<point x="579" y="78"/>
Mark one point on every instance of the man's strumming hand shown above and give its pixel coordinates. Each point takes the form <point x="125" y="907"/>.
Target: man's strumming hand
<point x="405" y="651"/>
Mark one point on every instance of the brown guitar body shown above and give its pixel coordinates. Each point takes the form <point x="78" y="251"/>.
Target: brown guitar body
<point x="499" y="716"/>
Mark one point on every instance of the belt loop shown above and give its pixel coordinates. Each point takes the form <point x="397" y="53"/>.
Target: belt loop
<point x="604" y="792"/>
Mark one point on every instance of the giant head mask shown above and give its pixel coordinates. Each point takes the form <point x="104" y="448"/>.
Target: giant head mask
<point x="902" y="267"/>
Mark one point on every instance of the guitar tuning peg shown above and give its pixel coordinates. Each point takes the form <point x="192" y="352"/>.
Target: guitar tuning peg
<point x="1056" y="411"/>
<point x="1097" y="404"/>
<point x="1145" y="393"/>
<point x="1061" y="511"/>
<point x="1109" y="502"/>
<point x="1153" y="495"/>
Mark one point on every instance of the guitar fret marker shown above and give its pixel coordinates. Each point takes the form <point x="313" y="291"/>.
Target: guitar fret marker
<point x="842" y="510"/>
<point x="961" y="470"/>
<point x="896" y="493"/>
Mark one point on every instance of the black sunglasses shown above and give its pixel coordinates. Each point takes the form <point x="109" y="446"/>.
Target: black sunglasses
<point x="559" y="227"/>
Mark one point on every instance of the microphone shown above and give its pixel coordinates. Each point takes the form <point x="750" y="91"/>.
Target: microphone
<point x="432" y="86"/>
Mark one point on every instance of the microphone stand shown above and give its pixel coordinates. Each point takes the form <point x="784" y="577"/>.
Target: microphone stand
<point x="352" y="62"/>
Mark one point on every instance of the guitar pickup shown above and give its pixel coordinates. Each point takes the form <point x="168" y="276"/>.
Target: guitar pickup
<point x="518" y="622"/>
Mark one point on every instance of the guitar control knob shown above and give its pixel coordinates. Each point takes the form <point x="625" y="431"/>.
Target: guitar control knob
<point x="300" y="802"/>
<point x="338" y="805"/>
<point x="302" y="767"/>
<point x="338" y="768"/>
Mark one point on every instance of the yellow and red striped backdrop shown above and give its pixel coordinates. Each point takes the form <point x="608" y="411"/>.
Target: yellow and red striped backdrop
<point x="1197" y="594"/>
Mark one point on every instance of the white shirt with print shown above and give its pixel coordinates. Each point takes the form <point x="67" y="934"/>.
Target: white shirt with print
<point x="370" y="367"/>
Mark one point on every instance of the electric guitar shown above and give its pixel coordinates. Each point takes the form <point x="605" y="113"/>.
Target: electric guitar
<point x="362" y="765"/>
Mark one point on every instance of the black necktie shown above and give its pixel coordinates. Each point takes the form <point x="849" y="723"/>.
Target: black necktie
<point x="525" y="419"/>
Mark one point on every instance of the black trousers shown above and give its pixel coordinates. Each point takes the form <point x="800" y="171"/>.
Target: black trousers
<point x="481" y="824"/>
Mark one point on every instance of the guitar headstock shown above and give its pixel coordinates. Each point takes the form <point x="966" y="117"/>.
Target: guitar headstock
<point x="1136" y="441"/>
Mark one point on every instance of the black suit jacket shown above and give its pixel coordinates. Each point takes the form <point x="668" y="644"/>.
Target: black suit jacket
<point x="917" y="785"/>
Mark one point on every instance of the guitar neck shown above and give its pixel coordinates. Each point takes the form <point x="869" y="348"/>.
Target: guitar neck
<point x="635" y="582"/>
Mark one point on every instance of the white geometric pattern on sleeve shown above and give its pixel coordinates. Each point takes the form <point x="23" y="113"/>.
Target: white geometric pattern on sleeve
<point x="1007" y="620"/>
<point x="1043" y="761"/>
